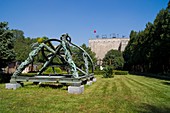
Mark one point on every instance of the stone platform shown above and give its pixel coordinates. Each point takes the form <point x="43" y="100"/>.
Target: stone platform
<point x="76" y="84"/>
<point x="76" y="89"/>
<point x="12" y="85"/>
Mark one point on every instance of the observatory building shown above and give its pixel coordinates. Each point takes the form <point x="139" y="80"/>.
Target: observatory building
<point x="101" y="46"/>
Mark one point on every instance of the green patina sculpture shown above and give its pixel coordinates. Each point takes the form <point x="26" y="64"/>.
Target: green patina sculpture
<point x="85" y="57"/>
<point x="36" y="49"/>
<point x="68" y="56"/>
<point x="62" y="51"/>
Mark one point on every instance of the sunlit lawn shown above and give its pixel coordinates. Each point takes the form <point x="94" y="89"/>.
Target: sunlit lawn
<point x="121" y="94"/>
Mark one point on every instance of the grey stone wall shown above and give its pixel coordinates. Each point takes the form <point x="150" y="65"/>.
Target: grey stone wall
<point x="101" y="46"/>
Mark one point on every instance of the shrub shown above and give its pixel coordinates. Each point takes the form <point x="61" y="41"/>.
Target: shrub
<point x="5" y="78"/>
<point x="98" y="72"/>
<point x="108" y="72"/>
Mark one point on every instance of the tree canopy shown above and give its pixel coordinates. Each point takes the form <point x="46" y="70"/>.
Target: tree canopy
<point x="114" y="58"/>
<point x="149" y="50"/>
<point x="6" y="41"/>
<point x="77" y="55"/>
<point x="22" y="45"/>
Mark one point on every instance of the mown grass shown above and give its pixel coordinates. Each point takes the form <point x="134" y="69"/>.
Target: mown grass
<point x="121" y="94"/>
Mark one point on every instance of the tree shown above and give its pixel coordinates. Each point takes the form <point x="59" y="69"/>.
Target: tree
<point x="6" y="41"/>
<point x="114" y="58"/>
<point x="78" y="55"/>
<point x="88" y="50"/>
<point x="161" y="42"/>
<point x="149" y="50"/>
<point x="17" y="33"/>
<point x="22" y="45"/>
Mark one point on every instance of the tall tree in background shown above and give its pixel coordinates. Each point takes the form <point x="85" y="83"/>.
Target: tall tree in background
<point x="114" y="58"/>
<point x="161" y="42"/>
<point x="149" y="50"/>
<point x="22" y="45"/>
<point x="6" y="45"/>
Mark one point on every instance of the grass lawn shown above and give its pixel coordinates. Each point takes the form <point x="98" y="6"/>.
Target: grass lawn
<point x="121" y="94"/>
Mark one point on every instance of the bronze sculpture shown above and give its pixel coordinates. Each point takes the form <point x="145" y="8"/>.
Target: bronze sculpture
<point x="49" y="52"/>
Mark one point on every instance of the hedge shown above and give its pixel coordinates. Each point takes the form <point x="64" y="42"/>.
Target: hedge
<point x="117" y="72"/>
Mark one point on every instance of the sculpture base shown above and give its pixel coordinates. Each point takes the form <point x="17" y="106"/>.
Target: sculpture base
<point x="12" y="85"/>
<point x="94" y="79"/>
<point x="89" y="83"/>
<point x="76" y="89"/>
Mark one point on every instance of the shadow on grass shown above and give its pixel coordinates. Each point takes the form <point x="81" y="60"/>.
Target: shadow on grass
<point x="166" y="83"/>
<point x="147" y="108"/>
<point x="151" y="75"/>
<point x="54" y="86"/>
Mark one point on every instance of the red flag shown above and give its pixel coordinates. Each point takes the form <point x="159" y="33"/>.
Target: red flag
<point x="94" y="31"/>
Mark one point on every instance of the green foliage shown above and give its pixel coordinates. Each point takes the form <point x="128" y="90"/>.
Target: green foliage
<point x="149" y="50"/>
<point x="118" y="62"/>
<point x="108" y="72"/>
<point x="22" y="45"/>
<point x="49" y="70"/>
<point x="98" y="72"/>
<point x="114" y="58"/>
<point x="41" y="39"/>
<point x="78" y="55"/>
<point x="6" y="45"/>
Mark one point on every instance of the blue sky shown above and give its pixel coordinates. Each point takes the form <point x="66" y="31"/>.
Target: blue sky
<point x="79" y="18"/>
